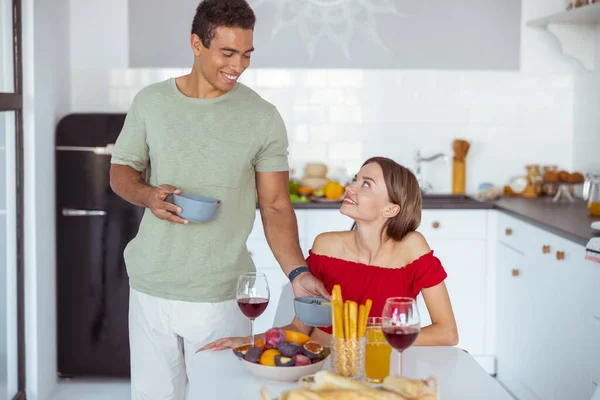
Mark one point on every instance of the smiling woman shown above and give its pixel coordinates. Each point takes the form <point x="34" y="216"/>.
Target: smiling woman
<point x="12" y="351"/>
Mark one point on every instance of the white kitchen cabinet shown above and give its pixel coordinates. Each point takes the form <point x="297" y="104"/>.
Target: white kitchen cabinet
<point x="465" y="263"/>
<point x="459" y="239"/>
<point x="319" y="221"/>
<point x="546" y="347"/>
<point x="509" y="269"/>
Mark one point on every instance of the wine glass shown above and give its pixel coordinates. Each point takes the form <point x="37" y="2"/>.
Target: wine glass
<point x="400" y="323"/>
<point x="252" y="296"/>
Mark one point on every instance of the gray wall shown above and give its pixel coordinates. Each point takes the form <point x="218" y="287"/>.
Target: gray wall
<point x="441" y="34"/>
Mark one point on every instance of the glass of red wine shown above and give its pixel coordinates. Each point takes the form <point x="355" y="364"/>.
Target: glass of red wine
<point x="400" y="323"/>
<point x="252" y="296"/>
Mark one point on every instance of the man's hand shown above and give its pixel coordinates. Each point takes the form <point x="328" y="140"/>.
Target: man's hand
<point x="162" y="209"/>
<point x="307" y="285"/>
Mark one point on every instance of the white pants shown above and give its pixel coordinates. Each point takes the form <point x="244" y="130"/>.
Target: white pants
<point x="164" y="336"/>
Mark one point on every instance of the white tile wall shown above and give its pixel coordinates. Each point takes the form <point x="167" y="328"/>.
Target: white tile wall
<point x="586" y="143"/>
<point x="342" y="117"/>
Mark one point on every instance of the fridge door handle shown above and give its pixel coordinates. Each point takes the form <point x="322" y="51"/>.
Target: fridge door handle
<point x="71" y="212"/>
<point x="103" y="151"/>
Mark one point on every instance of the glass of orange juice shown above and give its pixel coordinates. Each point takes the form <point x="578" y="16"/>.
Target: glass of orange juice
<point x="378" y="352"/>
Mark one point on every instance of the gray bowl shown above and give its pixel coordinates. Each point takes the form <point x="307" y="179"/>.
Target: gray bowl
<point x="196" y="208"/>
<point x="313" y="314"/>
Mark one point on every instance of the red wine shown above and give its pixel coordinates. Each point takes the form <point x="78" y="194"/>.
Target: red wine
<point x="401" y="337"/>
<point x="254" y="307"/>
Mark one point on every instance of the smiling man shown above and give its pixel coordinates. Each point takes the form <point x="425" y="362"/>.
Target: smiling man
<point x="202" y="133"/>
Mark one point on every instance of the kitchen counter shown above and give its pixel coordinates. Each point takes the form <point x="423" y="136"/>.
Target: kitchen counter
<point x="430" y="202"/>
<point x="569" y="220"/>
<point x="566" y="219"/>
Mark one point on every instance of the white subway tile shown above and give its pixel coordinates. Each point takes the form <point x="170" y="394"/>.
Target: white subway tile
<point x="345" y="114"/>
<point x="274" y="78"/>
<point x="342" y="117"/>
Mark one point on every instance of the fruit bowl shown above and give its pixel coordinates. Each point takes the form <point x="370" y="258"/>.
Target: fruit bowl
<point x="282" y="374"/>
<point x="283" y="356"/>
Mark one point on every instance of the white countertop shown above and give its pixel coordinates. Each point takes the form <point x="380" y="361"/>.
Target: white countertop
<point x="220" y="375"/>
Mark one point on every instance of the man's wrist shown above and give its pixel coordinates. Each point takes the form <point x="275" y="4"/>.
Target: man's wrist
<point x="296" y="272"/>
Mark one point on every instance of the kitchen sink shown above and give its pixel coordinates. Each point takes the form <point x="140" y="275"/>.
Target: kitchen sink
<point x="446" y="197"/>
<point x="453" y="201"/>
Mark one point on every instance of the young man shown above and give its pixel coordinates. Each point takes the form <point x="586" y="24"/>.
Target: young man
<point x="201" y="133"/>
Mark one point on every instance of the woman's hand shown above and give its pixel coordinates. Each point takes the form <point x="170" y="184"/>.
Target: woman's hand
<point x="225" y="343"/>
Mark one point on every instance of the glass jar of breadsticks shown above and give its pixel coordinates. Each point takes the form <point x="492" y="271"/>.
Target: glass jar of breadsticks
<point x="348" y="343"/>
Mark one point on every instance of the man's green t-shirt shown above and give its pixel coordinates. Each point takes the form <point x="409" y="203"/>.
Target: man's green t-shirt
<point x="210" y="147"/>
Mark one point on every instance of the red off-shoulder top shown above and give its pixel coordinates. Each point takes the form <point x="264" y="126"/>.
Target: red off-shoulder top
<point x="360" y="282"/>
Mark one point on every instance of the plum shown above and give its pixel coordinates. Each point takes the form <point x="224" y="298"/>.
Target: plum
<point x="273" y="337"/>
<point x="253" y="354"/>
<point x="312" y="350"/>
<point x="288" y="349"/>
<point x="284" y="361"/>
<point x="242" y="350"/>
<point x="301" y="360"/>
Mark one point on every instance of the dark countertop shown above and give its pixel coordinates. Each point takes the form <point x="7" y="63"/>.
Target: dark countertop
<point x="430" y="202"/>
<point x="569" y="220"/>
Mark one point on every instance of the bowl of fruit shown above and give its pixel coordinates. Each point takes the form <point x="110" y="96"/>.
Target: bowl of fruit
<point x="283" y="356"/>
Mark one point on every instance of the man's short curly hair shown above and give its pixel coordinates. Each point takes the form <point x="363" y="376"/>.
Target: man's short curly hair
<point x="210" y="14"/>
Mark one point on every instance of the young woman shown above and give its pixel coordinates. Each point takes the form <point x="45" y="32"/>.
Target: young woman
<point x="382" y="255"/>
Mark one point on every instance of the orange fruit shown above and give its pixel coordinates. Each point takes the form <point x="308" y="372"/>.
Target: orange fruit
<point x="305" y="191"/>
<point x="333" y="190"/>
<point x="296" y="337"/>
<point x="260" y="343"/>
<point x="268" y="357"/>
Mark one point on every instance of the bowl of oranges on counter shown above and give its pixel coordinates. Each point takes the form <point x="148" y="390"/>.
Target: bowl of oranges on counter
<point x="283" y="355"/>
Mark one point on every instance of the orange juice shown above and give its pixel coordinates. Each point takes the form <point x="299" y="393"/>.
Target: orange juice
<point x="377" y="355"/>
<point x="594" y="208"/>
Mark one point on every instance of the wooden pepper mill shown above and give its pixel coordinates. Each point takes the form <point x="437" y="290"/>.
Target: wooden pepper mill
<point x="461" y="148"/>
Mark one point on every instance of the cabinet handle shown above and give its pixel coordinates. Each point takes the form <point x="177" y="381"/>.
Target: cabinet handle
<point x="515" y="272"/>
<point x="560" y="255"/>
<point x="545" y="249"/>
<point x="435" y="225"/>
<point x="508" y="231"/>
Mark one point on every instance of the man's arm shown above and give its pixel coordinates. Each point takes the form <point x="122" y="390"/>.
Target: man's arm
<point x="279" y="219"/>
<point x="129" y="184"/>
<point x="281" y="231"/>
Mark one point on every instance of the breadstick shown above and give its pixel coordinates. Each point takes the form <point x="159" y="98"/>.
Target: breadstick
<point x="353" y="314"/>
<point x="346" y="320"/>
<point x="362" y="321"/>
<point x="337" y="290"/>
<point x="368" y="305"/>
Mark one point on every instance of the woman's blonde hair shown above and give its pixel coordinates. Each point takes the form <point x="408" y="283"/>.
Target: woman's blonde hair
<point x="403" y="190"/>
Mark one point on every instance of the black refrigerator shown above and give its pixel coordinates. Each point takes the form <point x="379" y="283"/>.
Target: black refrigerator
<point x="93" y="226"/>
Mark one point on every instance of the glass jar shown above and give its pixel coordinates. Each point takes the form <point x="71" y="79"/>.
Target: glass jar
<point x="348" y="357"/>
<point x="594" y="196"/>
<point x="550" y="180"/>
<point x="534" y="177"/>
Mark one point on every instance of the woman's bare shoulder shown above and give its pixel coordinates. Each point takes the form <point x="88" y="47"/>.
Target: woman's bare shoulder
<point x="331" y="243"/>
<point x="413" y="246"/>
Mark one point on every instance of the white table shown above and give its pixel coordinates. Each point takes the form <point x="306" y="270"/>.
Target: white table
<point x="220" y="375"/>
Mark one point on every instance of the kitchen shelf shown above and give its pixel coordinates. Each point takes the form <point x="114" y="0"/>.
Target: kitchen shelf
<point x="576" y="31"/>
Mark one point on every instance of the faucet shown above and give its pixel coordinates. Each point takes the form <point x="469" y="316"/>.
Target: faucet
<point x="426" y="186"/>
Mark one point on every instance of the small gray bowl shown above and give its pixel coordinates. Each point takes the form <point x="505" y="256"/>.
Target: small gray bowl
<point x="196" y="208"/>
<point x="313" y="314"/>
